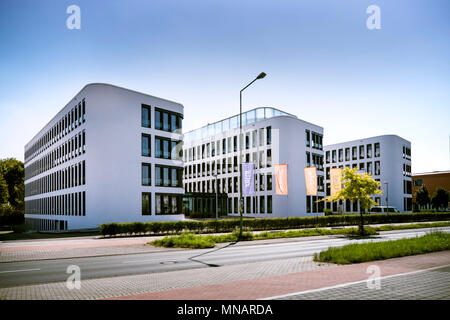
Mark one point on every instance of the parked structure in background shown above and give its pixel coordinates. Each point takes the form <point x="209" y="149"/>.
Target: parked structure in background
<point x="110" y="155"/>
<point x="387" y="158"/>
<point x="432" y="181"/>
<point x="270" y="137"/>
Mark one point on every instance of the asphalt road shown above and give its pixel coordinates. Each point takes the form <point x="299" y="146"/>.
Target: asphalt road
<point x="44" y="271"/>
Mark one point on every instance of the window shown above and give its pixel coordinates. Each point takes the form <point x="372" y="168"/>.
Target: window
<point x="347" y="154"/>
<point x="361" y="166"/>
<point x="269" y="158"/>
<point x="377" y="150"/>
<point x="369" y="151"/>
<point x="168" y="149"/>
<point x="166" y="176"/>
<point x="269" y="182"/>
<point x="269" y="135"/>
<point x="418" y="182"/>
<point x="145" y="116"/>
<point x="146" y="141"/>
<point x="262" y="207"/>
<point x="261" y="137"/>
<point x="377" y="168"/>
<point x="146" y="204"/>
<point x="247" y="140"/>
<point x="254" y="134"/>
<point x="308" y="159"/>
<point x="341" y="155"/>
<point x="354" y="155"/>
<point x="235" y="144"/>
<point x="167" y="120"/>
<point x="168" y="204"/>
<point x="327" y="156"/>
<point x="369" y="168"/>
<point x="307" y="138"/>
<point x="333" y="156"/>
<point x="146" y="175"/>
<point x="269" y="204"/>
<point x="361" y="152"/>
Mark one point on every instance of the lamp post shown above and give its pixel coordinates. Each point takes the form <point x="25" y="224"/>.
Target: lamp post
<point x="387" y="195"/>
<point x="241" y="199"/>
<point x="217" y="197"/>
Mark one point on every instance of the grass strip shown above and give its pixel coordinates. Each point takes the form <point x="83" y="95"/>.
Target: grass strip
<point x="363" y="252"/>
<point x="190" y="240"/>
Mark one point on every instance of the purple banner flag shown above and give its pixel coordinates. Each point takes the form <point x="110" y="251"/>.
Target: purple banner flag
<point x="248" y="179"/>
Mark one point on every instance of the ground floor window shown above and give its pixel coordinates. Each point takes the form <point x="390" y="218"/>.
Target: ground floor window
<point x="146" y="203"/>
<point x="168" y="203"/>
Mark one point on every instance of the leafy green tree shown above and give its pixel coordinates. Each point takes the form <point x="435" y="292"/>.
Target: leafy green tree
<point x="13" y="173"/>
<point x="422" y="197"/>
<point x="440" y="198"/>
<point x="4" y="194"/>
<point x="357" y="187"/>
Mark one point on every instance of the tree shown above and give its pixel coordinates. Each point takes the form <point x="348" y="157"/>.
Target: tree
<point x="440" y="198"/>
<point x="357" y="187"/>
<point x="13" y="173"/>
<point x="4" y="194"/>
<point x="422" y="197"/>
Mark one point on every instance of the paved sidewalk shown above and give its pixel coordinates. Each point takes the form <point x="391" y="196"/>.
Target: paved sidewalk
<point x="290" y="283"/>
<point x="154" y="282"/>
<point x="431" y="284"/>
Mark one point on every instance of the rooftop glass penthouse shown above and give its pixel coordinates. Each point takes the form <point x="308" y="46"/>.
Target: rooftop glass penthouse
<point x="227" y="124"/>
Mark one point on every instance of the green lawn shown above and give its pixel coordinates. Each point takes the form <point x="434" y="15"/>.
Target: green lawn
<point x="363" y="252"/>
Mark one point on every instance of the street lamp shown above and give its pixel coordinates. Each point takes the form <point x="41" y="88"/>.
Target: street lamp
<point x="217" y="190"/>
<point x="387" y="195"/>
<point x="241" y="199"/>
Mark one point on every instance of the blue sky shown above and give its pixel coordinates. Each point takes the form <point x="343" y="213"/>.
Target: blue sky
<point x="323" y="64"/>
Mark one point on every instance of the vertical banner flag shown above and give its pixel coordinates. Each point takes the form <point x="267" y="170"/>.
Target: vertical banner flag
<point x="311" y="181"/>
<point x="248" y="179"/>
<point x="335" y="180"/>
<point x="281" y="183"/>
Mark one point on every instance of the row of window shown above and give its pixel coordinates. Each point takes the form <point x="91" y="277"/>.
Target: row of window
<point x="317" y="160"/>
<point x="252" y="205"/>
<point x="211" y="168"/>
<point x="165" y="148"/>
<point x="71" y="120"/>
<point x="164" y="120"/>
<point x="364" y="152"/>
<point x="72" y="204"/>
<point x="228" y="145"/>
<point x="165" y="176"/>
<point x="72" y="176"/>
<point x="164" y="203"/>
<point x="314" y="140"/>
<point x="263" y="182"/>
<point x="372" y="168"/>
<point x="312" y="204"/>
<point x="47" y="224"/>
<point x="72" y="148"/>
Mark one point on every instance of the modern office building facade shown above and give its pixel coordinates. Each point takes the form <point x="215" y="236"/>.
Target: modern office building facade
<point x="387" y="158"/>
<point x="270" y="136"/>
<point x="110" y="155"/>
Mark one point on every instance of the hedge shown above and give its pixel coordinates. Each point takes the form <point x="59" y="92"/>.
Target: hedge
<point x="229" y="225"/>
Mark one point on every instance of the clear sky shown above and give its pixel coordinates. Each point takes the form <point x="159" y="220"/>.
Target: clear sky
<point x="322" y="63"/>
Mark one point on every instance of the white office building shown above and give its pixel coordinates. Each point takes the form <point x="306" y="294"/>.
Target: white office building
<point x="109" y="155"/>
<point x="270" y="137"/>
<point x="387" y="158"/>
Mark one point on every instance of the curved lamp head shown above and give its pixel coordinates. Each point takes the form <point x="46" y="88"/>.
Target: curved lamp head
<point x="261" y="75"/>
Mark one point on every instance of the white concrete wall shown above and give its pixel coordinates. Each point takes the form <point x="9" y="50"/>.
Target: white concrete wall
<point x="113" y="156"/>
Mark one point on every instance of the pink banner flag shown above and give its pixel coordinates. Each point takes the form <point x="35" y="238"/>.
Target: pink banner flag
<point x="281" y="183"/>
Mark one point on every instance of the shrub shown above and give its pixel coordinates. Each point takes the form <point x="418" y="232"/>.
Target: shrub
<point x="22" y="228"/>
<point x="187" y="240"/>
<point x="229" y="225"/>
